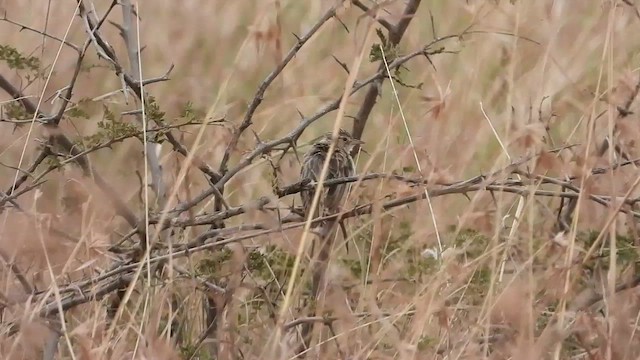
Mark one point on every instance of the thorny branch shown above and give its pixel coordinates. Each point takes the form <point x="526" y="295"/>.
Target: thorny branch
<point x="42" y="155"/>
<point x="25" y="27"/>
<point x="372" y="12"/>
<point x="478" y="183"/>
<point x="59" y="139"/>
<point x="221" y="237"/>
<point x="292" y="136"/>
<point x="567" y="208"/>
<point x="121" y="273"/>
<point x="152" y="152"/>
<point x="396" y="32"/>
<point x="259" y="95"/>
<point x="136" y="87"/>
<point x="218" y="238"/>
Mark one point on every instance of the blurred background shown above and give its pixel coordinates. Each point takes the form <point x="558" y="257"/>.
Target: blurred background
<point x="514" y="80"/>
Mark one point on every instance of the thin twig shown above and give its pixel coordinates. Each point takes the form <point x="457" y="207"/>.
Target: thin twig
<point x="259" y="95"/>
<point x="65" y="143"/>
<point x="201" y="243"/>
<point x="25" y="27"/>
<point x="135" y="85"/>
<point x="373" y="13"/>
<point x="294" y="134"/>
<point x="396" y="32"/>
<point x="43" y="154"/>
<point x="15" y="269"/>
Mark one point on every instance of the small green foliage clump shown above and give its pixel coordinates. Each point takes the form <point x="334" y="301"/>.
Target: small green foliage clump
<point x="399" y="247"/>
<point x="255" y="261"/>
<point x="110" y="129"/>
<point x="191" y="351"/>
<point x="13" y="110"/>
<point x="212" y="264"/>
<point x="418" y="265"/>
<point x="190" y="113"/>
<point x="154" y="114"/>
<point x="427" y="342"/>
<point x="385" y="50"/>
<point x="480" y="280"/>
<point x="16" y="61"/>
<point x="472" y="242"/>
<point x="52" y="162"/>
<point x="388" y="49"/>
<point x="626" y="250"/>
<point x="408" y="169"/>
<point x="152" y="110"/>
<point x="354" y="266"/>
<point x="78" y="113"/>
<point x="273" y="266"/>
<point x="261" y="264"/>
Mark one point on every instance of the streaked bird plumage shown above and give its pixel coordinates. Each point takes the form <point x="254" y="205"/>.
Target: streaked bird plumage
<point x="340" y="165"/>
<point x="330" y="202"/>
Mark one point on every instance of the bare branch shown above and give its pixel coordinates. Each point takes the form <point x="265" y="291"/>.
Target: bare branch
<point x="293" y="136"/>
<point x="342" y="65"/>
<point x="58" y="138"/>
<point x="152" y="151"/>
<point x="373" y="13"/>
<point x="25" y="27"/>
<point x="16" y="194"/>
<point x="477" y="183"/>
<point x="15" y="269"/>
<point x="68" y="93"/>
<point x="43" y="154"/>
<point x="136" y="87"/>
<point x="395" y="35"/>
<point x="259" y="95"/>
<point x="78" y="298"/>
<point x="164" y="77"/>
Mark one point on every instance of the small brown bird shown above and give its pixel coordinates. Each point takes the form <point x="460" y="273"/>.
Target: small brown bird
<point x="340" y="165"/>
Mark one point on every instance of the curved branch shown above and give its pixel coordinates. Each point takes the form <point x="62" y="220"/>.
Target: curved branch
<point x="259" y="95"/>
<point x="293" y="136"/>
<point x="395" y="35"/>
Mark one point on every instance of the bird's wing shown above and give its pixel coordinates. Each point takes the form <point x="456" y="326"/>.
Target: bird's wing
<point x="312" y="169"/>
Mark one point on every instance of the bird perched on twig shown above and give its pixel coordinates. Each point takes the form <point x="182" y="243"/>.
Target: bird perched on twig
<point x="340" y="165"/>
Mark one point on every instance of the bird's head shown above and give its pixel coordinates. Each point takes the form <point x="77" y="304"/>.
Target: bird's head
<point x="343" y="139"/>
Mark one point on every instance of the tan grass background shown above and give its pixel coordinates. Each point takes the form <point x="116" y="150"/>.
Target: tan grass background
<point x="581" y="57"/>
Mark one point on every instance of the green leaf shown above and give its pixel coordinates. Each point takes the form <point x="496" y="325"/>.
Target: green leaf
<point x="383" y="39"/>
<point x="152" y="110"/>
<point x="14" y="110"/>
<point x="375" y="54"/>
<point x="108" y="114"/>
<point x="16" y="61"/>
<point x="77" y="113"/>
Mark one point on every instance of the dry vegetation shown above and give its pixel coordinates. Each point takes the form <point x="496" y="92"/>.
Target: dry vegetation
<point x="517" y="118"/>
